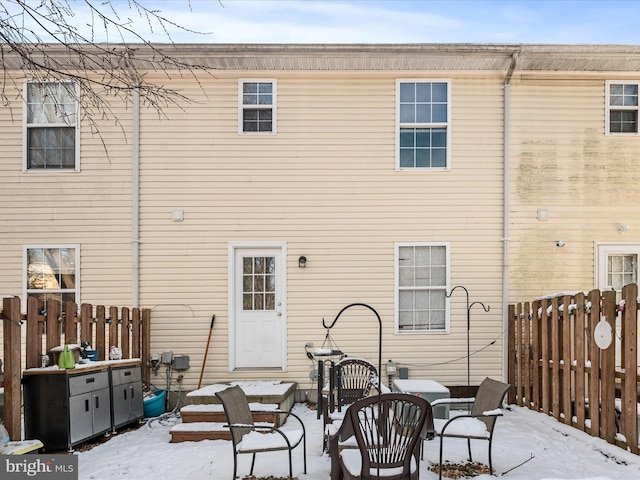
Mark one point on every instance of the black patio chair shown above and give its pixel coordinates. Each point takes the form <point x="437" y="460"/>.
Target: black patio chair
<point x="350" y="379"/>
<point x="247" y="437"/>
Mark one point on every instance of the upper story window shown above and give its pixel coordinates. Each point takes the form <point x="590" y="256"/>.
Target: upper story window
<point x="423" y="124"/>
<point x="51" y="128"/>
<point x="622" y="107"/>
<point x="422" y="281"/>
<point x="52" y="274"/>
<point x="257" y="110"/>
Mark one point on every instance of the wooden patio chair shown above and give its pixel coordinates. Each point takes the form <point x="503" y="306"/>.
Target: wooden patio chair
<point x="388" y="429"/>
<point x="479" y="424"/>
<point x="350" y="379"/>
<point x="247" y="437"/>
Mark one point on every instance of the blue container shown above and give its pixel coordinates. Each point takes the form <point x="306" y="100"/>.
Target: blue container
<point x="154" y="404"/>
<point x="92" y="355"/>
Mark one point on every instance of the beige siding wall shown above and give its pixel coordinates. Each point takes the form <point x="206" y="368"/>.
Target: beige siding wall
<point x="562" y="160"/>
<point x="90" y="208"/>
<point x="326" y="185"/>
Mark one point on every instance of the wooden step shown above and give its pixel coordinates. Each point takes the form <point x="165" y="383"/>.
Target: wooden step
<point x="215" y="413"/>
<point x="197" y="431"/>
<point x="203" y="417"/>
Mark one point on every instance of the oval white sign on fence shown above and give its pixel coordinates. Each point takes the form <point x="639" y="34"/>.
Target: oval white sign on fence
<point x="603" y="334"/>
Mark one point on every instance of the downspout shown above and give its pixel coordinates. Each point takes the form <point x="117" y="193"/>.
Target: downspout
<point x="135" y="187"/>
<point x="505" y="214"/>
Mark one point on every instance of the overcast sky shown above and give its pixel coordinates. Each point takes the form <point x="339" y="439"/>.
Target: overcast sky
<point x="386" y="21"/>
<point x="407" y="21"/>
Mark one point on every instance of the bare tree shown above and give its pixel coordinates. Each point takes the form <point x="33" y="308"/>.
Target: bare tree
<point x="41" y="39"/>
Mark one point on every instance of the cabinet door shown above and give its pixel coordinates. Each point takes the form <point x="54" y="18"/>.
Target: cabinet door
<point x="137" y="402"/>
<point x="127" y="403"/>
<point x="80" y="417"/>
<point x="101" y="400"/>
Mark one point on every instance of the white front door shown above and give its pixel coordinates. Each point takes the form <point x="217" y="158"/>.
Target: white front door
<point x="258" y="317"/>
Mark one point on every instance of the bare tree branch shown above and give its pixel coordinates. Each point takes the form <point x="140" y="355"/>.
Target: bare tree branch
<point x="43" y="40"/>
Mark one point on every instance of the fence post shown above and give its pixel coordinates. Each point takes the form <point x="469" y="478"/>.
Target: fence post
<point x="526" y="325"/>
<point x="608" y="372"/>
<point x="146" y="345"/>
<point x="579" y="333"/>
<point x="513" y="364"/>
<point x="630" y="385"/>
<point x="12" y="367"/>
<point x="566" y="390"/>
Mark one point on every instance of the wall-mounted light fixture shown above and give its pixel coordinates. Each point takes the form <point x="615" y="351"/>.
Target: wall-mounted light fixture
<point x="302" y="262"/>
<point x="559" y="243"/>
<point x="622" y="229"/>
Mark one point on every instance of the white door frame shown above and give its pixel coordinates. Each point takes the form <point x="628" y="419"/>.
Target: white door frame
<point x="281" y="281"/>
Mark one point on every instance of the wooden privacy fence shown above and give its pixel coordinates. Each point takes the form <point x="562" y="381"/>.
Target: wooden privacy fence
<point x="561" y="364"/>
<point x="127" y="329"/>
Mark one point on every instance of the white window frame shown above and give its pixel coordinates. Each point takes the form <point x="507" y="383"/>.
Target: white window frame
<point x="446" y="125"/>
<point x="27" y="126"/>
<point x="609" y="107"/>
<point x="446" y="287"/>
<point x="602" y="252"/>
<point x="272" y="106"/>
<point x="25" y="273"/>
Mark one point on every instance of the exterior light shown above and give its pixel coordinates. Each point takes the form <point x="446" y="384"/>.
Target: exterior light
<point x="302" y="262"/>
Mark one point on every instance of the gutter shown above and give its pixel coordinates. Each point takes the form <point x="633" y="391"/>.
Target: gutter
<point x="135" y="187"/>
<point x="505" y="214"/>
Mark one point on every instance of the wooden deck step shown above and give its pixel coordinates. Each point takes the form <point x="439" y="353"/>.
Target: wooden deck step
<point x="215" y="413"/>
<point x="203" y="417"/>
<point x="197" y="431"/>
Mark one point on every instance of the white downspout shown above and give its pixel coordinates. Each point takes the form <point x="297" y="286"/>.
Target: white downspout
<point x="135" y="187"/>
<point x="135" y="201"/>
<point x="505" y="214"/>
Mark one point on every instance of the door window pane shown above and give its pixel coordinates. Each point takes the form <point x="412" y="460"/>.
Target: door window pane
<point x="258" y="283"/>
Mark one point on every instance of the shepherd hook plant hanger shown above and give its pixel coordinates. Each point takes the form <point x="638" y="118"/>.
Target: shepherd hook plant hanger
<point x="469" y="306"/>
<point x="379" y="331"/>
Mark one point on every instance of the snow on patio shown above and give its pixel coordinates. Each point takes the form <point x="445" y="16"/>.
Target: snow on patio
<point x="527" y="446"/>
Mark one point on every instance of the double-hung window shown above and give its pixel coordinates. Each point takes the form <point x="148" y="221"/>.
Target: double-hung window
<point x="52" y="273"/>
<point x="51" y="127"/>
<point x="423" y="115"/>
<point x="257" y="109"/>
<point x="422" y="281"/>
<point x="622" y="107"/>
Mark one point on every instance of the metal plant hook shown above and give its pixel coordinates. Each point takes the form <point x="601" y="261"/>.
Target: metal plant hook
<point x="379" y="355"/>
<point x="379" y="332"/>
<point x="469" y="307"/>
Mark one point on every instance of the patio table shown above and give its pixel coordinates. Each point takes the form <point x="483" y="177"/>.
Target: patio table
<point x="430" y="390"/>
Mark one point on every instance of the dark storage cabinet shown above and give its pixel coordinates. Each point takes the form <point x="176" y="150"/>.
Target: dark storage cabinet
<point x="126" y="395"/>
<point x="65" y="408"/>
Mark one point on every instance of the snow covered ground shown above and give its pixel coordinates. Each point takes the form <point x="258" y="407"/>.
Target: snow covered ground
<point x="527" y="446"/>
